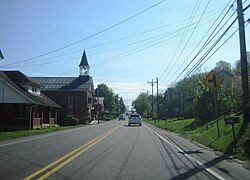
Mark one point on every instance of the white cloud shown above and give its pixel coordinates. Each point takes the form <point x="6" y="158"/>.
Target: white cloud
<point x="125" y="88"/>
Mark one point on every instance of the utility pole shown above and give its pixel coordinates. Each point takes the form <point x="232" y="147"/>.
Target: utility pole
<point x="243" y="60"/>
<point x="152" y="84"/>
<point x="157" y="99"/>
<point x="98" y="105"/>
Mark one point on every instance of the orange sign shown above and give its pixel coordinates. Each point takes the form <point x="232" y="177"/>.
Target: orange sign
<point x="213" y="80"/>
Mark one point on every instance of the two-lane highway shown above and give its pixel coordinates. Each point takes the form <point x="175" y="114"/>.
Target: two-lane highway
<point x="113" y="150"/>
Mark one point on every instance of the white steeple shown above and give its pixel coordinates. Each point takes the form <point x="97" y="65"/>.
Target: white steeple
<point x="84" y="65"/>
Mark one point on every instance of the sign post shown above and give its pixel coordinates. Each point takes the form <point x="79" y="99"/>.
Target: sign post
<point x="232" y="120"/>
<point x="213" y="81"/>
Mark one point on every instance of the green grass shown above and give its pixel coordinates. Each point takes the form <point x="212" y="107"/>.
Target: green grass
<point x="196" y="131"/>
<point x="42" y="130"/>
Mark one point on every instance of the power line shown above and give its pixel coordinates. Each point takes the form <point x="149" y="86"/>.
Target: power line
<point x="198" y="64"/>
<point x="203" y="47"/>
<point x="130" y="52"/>
<point x="188" y="39"/>
<point x="206" y="42"/>
<point x="93" y="35"/>
<point x="180" y="41"/>
<point x="210" y="38"/>
<point x="144" y="32"/>
<point x="116" y="40"/>
<point x="141" y="48"/>
<point x="209" y="50"/>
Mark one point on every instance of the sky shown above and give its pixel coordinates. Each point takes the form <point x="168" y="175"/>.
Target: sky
<point x="128" y="43"/>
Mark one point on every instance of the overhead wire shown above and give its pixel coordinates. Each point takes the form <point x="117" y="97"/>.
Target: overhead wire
<point x="93" y="35"/>
<point x="188" y="40"/>
<point x="116" y="40"/>
<point x="209" y="50"/>
<point x="138" y="49"/>
<point x="216" y="49"/>
<point x="205" y="60"/>
<point x="199" y="62"/>
<point x="180" y="41"/>
<point x="141" y="48"/>
<point x="209" y="40"/>
<point x="130" y="52"/>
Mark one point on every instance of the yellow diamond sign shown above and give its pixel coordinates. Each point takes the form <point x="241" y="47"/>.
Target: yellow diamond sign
<point x="213" y="80"/>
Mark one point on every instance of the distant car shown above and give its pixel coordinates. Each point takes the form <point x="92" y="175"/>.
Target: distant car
<point x="105" y="118"/>
<point x="122" y="117"/>
<point x="135" y="119"/>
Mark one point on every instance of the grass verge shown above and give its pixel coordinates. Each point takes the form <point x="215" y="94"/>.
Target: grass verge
<point x="41" y="130"/>
<point x="198" y="132"/>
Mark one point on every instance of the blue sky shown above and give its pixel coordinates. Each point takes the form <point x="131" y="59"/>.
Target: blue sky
<point x="159" y="42"/>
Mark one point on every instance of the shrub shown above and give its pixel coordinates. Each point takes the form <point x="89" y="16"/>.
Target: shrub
<point x="84" y="120"/>
<point x="72" y="121"/>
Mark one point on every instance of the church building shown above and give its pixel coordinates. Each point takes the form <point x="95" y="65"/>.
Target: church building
<point x="73" y="94"/>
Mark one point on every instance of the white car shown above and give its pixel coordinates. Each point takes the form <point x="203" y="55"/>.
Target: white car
<point x="134" y="119"/>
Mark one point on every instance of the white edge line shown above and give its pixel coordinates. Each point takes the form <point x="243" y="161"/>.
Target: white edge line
<point x="179" y="149"/>
<point x="30" y="139"/>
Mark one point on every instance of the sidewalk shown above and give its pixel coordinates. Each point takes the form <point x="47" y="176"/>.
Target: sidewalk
<point x="96" y="122"/>
<point x="93" y="122"/>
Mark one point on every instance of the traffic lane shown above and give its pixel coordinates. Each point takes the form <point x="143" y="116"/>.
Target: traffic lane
<point x="130" y="153"/>
<point x="22" y="157"/>
<point x="221" y="164"/>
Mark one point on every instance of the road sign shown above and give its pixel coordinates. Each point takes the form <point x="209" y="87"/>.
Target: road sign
<point x="232" y="120"/>
<point x="213" y="80"/>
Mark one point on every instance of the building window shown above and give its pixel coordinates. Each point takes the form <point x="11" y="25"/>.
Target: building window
<point x="89" y="100"/>
<point x="70" y="102"/>
<point x="34" y="89"/>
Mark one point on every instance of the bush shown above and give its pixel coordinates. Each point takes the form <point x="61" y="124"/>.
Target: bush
<point x="55" y="125"/>
<point x="84" y="120"/>
<point x="72" y="121"/>
<point x="43" y="126"/>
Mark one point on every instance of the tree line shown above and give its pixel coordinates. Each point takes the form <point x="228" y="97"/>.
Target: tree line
<point x="113" y="104"/>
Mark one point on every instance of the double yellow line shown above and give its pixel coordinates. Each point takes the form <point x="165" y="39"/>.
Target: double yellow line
<point x="58" y="164"/>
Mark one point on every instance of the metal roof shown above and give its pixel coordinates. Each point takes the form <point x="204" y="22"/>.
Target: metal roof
<point x="81" y="83"/>
<point x="19" y="77"/>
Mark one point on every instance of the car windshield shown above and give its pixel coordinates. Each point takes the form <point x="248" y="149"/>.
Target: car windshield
<point x="135" y="115"/>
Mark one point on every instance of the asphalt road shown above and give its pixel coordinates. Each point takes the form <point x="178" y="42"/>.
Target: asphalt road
<point x="113" y="150"/>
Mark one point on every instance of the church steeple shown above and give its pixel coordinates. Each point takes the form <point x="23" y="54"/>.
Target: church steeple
<point x="84" y="65"/>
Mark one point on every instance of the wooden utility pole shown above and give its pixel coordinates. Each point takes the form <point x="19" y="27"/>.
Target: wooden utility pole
<point x="152" y="84"/>
<point x="152" y="103"/>
<point x="243" y="60"/>
<point x="157" y="99"/>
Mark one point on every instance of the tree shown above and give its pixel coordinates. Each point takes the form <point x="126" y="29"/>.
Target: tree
<point x="122" y="107"/>
<point x="237" y="69"/>
<point x="189" y="84"/>
<point x="204" y="105"/>
<point x="103" y="90"/>
<point x="222" y="65"/>
<point x="142" y="104"/>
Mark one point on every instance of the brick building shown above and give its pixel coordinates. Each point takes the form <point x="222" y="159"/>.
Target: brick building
<point x="22" y="105"/>
<point x="73" y="94"/>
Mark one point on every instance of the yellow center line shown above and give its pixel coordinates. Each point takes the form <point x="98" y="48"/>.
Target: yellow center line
<point x="82" y="149"/>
